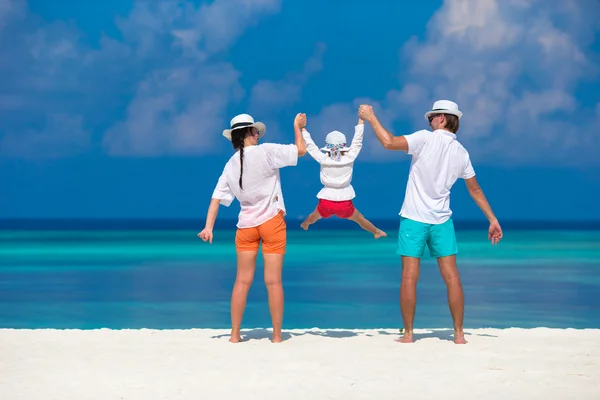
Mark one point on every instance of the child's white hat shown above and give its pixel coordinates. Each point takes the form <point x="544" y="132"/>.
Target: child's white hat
<point x="333" y="138"/>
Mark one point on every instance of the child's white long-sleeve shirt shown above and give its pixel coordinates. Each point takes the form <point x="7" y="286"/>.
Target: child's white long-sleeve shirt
<point x="336" y="175"/>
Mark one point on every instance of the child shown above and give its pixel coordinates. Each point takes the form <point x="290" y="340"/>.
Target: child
<point x="337" y="162"/>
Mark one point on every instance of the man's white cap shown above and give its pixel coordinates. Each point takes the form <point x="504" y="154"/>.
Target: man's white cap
<point x="444" y="107"/>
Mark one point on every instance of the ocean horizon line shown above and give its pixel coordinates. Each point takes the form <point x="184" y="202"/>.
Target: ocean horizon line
<point x="250" y="329"/>
<point x="97" y="223"/>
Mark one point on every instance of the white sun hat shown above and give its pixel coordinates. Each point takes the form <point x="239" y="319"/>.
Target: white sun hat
<point x="335" y="137"/>
<point x="242" y="121"/>
<point x="444" y="107"/>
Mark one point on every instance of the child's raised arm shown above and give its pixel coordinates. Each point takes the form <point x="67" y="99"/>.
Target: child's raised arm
<point x="357" y="140"/>
<point x="312" y="148"/>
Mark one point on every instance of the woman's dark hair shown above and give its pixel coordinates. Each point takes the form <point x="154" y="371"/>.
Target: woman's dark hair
<point x="237" y="140"/>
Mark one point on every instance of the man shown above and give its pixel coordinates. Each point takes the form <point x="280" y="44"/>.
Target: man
<point x="438" y="160"/>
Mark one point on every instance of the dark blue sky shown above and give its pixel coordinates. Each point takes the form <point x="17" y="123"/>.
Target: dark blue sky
<point x="115" y="108"/>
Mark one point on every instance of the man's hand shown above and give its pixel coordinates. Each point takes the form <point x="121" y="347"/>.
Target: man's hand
<point x="495" y="232"/>
<point x="366" y="112"/>
<point x="300" y="120"/>
<point x="206" y="235"/>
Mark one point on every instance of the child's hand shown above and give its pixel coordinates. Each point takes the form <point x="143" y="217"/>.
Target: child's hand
<point x="300" y="120"/>
<point x="361" y="121"/>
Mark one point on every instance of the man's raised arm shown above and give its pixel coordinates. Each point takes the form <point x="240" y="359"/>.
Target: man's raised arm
<point x="388" y="140"/>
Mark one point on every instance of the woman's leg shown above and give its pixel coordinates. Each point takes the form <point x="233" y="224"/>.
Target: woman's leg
<point x="247" y="242"/>
<point x="274" y="236"/>
<point x="246" y="265"/>
<point x="366" y="224"/>
<point x="273" y="267"/>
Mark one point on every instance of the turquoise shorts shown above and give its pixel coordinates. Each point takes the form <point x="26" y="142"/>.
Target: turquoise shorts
<point x="413" y="236"/>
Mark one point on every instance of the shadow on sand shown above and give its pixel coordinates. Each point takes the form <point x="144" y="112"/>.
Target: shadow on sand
<point x="445" y="334"/>
<point x="261" y="334"/>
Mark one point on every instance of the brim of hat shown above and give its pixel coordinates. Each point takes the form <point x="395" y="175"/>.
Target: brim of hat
<point x="262" y="129"/>
<point x="342" y="149"/>
<point x="452" y="112"/>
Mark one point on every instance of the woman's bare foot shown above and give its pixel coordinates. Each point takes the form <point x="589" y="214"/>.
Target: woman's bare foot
<point x="277" y="339"/>
<point x="379" y="234"/>
<point x="459" y="338"/>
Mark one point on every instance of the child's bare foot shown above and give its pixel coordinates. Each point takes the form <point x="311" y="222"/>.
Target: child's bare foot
<point x="304" y="225"/>
<point x="379" y="234"/>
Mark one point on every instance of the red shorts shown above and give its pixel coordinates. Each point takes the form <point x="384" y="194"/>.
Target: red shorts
<point x="341" y="209"/>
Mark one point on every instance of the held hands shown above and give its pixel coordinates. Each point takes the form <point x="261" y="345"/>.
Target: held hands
<point x="365" y="112"/>
<point x="495" y="232"/>
<point x="206" y="235"/>
<point x="300" y="121"/>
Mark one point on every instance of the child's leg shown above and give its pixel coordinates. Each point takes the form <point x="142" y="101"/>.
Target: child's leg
<point x="366" y="224"/>
<point x="311" y="219"/>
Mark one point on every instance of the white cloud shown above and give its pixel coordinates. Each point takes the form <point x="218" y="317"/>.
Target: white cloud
<point x="513" y="68"/>
<point x="277" y="95"/>
<point x="60" y="136"/>
<point x="9" y="9"/>
<point x="175" y="111"/>
<point x="269" y="99"/>
<point x="178" y="103"/>
<point x="169" y="58"/>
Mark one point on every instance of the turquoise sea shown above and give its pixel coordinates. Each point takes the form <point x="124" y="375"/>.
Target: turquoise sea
<point x="158" y="274"/>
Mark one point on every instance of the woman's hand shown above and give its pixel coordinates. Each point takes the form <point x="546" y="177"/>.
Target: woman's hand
<point x="300" y="121"/>
<point x="206" y="235"/>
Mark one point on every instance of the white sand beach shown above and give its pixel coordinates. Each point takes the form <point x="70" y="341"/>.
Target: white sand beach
<point x="310" y="364"/>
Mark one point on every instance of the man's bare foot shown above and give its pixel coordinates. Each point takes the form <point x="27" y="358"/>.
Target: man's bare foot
<point x="406" y="338"/>
<point x="304" y="225"/>
<point x="459" y="338"/>
<point x="379" y="234"/>
<point x="236" y="336"/>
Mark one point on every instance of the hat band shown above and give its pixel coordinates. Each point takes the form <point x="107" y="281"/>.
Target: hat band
<point x="241" y="125"/>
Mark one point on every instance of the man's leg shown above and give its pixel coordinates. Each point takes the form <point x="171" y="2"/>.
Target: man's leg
<point x="456" y="299"/>
<point x="442" y="244"/>
<point x="408" y="295"/>
<point x="412" y="239"/>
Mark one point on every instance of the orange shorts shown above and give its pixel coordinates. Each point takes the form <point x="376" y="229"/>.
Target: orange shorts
<point x="272" y="233"/>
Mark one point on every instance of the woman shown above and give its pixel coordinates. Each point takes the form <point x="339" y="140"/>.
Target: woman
<point x="252" y="176"/>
